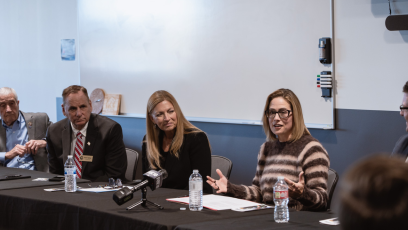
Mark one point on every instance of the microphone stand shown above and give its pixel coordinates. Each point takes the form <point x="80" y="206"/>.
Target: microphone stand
<point x="144" y="201"/>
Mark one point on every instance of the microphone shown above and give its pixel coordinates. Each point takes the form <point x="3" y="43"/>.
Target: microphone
<point x="152" y="178"/>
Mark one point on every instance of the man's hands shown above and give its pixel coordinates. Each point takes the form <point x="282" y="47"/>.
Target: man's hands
<point x="33" y="146"/>
<point x="30" y="147"/>
<point x="18" y="150"/>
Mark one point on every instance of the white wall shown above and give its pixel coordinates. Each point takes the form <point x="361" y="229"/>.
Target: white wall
<point x="30" y="59"/>
<point x="371" y="62"/>
<point x="219" y="58"/>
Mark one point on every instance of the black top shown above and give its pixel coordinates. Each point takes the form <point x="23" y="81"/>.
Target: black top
<point x="195" y="153"/>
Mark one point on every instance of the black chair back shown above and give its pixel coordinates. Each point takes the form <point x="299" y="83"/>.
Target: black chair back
<point x="132" y="159"/>
<point x="222" y="163"/>
<point x="331" y="185"/>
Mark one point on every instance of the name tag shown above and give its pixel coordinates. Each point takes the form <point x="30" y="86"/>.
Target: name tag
<point x="86" y="158"/>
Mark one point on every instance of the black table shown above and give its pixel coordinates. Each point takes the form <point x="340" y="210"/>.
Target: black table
<point x="297" y="220"/>
<point x="28" y="182"/>
<point x="33" y="208"/>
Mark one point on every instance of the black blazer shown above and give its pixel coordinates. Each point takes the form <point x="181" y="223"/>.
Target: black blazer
<point x="104" y="141"/>
<point x="401" y="147"/>
<point x="195" y="153"/>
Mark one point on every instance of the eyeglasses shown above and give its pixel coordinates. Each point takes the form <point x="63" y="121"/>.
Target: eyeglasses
<point x="282" y="113"/>
<point x="402" y="107"/>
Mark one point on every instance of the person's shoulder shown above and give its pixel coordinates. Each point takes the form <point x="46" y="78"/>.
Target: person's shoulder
<point x="310" y="144"/>
<point x="401" y="145"/>
<point x="198" y="135"/>
<point x="403" y="139"/>
<point x="34" y="115"/>
<point x="59" y="125"/>
<point x="307" y="139"/>
<point x="307" y="142"/>
<point x="268" y="144"/>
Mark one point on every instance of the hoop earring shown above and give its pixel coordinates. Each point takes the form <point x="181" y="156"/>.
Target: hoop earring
<point x="155" y="126"/>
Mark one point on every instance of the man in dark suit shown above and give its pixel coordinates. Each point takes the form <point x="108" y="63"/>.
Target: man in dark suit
<point x="401" y="147"/>
<point x="21" y="134"/>
<point x="96" y="142"/>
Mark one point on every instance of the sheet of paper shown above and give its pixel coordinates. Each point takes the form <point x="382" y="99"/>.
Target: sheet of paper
<point x="57" y="189"/>
<point x="216" y="202"/>
<point x="41" y="179"/>
<point x="54" y="189"/>
<point x="333" y="221"/>
<point x="97" y="190"/>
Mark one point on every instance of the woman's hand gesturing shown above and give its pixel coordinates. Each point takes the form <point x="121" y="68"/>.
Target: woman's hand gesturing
<point x="219" y="185"/>
<point x="296" y="189"/>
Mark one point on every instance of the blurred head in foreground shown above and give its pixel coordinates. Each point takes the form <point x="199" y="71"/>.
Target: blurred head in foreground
<point x="374" y="194"/>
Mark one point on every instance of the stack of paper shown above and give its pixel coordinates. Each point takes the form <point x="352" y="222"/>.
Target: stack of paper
<point x="216" y="202"/>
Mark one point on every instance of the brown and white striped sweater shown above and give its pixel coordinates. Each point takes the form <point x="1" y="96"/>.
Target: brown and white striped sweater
<point x="288" y="160"/>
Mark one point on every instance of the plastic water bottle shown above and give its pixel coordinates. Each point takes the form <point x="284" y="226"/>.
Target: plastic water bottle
<point x="281" y="199"/>
<point x="196" y="191"/>
<point x="70" y="175"/>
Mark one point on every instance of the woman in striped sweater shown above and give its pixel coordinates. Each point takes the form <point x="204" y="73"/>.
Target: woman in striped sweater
<point x="290" y="151"/>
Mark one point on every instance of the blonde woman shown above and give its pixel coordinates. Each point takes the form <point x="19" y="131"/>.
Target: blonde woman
<point x="289" y="151"/>
<point x="173" y="143"/>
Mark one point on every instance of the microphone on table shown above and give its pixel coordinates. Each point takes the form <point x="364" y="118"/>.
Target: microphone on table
<point x="152" y="178"/>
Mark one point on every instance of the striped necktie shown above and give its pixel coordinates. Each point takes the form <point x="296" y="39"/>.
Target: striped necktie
<point x="79" y="149"/>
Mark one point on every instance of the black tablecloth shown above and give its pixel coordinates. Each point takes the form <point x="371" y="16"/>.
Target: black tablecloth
<point x="297" y="220"/>
<point x="32" y="208"/>
<point x="28" y="182"/>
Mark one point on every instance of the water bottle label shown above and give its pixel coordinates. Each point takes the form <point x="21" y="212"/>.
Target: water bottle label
<point x="281" y="194"/>
<point x="70" y="171"/>
<point x="195" y="186"/>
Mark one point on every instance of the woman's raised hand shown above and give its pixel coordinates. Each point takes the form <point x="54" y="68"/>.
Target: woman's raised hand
<point x="296" y="189"/>
<point x="219" y="185"/>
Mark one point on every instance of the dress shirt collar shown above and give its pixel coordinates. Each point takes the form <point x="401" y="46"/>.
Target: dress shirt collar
<point x="19" y="121"/>
<point x="83" y="130"/>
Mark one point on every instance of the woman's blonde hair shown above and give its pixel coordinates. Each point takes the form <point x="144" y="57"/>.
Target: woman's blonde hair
<point x="153" y="131"/>
<point x="298" y="128"/>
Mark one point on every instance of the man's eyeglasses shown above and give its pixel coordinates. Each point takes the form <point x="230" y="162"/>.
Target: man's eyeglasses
<point x="402" y="107"/>
<point x="282" y="113"/>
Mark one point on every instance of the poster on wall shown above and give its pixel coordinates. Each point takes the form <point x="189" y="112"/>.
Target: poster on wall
<point x="68" y="49"/>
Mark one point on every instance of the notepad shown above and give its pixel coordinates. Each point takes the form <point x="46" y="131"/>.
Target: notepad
<point x="215" y="202"/>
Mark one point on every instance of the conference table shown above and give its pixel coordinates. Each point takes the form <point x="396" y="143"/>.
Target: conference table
<point x="30" y="207"/>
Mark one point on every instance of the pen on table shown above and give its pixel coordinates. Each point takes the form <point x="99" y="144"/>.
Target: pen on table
<point x="261" y="206"/>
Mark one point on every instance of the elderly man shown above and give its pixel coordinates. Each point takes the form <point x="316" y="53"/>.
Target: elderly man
<point x="21" y="134"/>
<point x="401" y="148"/>
<point x="95" y="141"/>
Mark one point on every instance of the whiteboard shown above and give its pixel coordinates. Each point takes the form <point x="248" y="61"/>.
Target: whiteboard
<point x="219" y="58"/>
